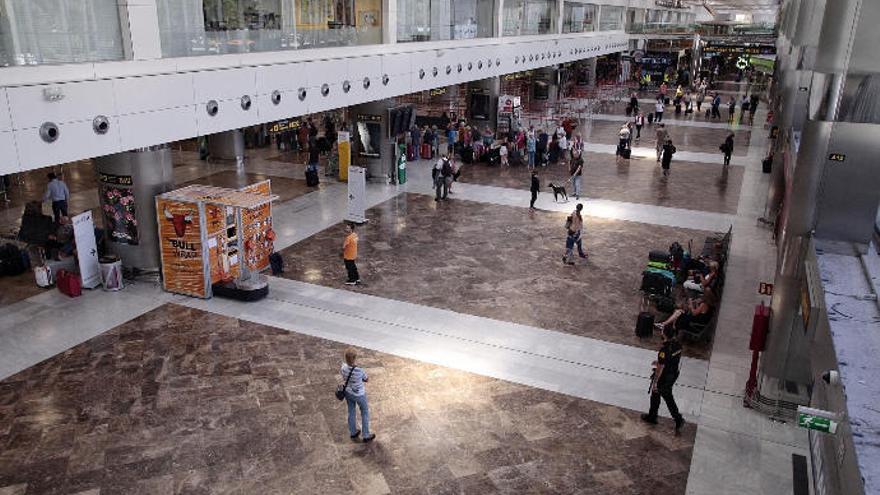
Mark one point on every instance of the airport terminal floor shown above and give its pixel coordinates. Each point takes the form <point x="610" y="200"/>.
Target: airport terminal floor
<point x="493" y="366"/>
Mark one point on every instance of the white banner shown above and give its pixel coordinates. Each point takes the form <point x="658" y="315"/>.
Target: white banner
<point x="87" y="250"/>
<point x="357" y="192"/>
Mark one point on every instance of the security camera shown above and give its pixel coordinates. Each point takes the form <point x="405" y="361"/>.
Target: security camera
<point x="831" y="377"/>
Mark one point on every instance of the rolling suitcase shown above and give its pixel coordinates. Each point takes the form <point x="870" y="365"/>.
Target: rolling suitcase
<point x="645" y="325"/>
<point x="312" y="178"/>
<point x="69" y="283"/>
<point x="767" y="165"/>
<point x="626" y="153"/>
<point x="426" y="151"/>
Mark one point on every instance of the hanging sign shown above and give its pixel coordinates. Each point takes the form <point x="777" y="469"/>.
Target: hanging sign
<point x="87" y="249"/>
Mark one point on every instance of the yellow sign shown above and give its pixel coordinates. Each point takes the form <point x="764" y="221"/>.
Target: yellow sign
<point x="344" y="145"/>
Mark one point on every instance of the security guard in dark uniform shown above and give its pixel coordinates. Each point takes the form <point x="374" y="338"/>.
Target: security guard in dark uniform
<point x="665" y="374"/>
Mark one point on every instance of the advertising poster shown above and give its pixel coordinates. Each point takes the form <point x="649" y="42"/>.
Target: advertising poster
<point x="343" y="141"/>
<point x="118" y="208"/>
<point x="87" y="249"/>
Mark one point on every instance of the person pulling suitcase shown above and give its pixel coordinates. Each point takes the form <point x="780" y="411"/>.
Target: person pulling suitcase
<point x="666" y="371"/>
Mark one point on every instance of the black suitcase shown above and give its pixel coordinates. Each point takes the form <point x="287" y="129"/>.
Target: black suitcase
<point x="658" y="255"/>
<point x="651" y="118"/>
<point x="767" y="165"/>
<point x="625" y="153"/>
<point x="656" y="283"/>
<point x="276" y="263"/>
<point x="467" y="155"/>
<point x="629" y="110"/>
<point x="645" y="325"/>
<point x="312" y="178"/>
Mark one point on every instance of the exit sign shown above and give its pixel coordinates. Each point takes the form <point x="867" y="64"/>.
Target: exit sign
<point x="816" y="419"/>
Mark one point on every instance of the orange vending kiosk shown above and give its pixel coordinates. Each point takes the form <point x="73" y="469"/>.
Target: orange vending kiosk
<point x="214" y="237"/>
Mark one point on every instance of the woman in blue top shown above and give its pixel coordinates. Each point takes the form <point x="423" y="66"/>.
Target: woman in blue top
<point x="356" y="396"/>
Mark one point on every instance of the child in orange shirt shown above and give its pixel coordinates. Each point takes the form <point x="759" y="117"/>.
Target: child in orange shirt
<point x="349" y="255"/>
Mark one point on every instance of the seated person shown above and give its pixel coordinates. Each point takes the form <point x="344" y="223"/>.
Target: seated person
<point x="701" y="281"/>
<point x="61" y="243"/>
<point x="35" y="226"/>
<point x="697" y="311"/>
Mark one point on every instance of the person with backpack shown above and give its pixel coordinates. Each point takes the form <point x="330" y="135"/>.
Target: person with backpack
<point x="535" y="187"/>
<point x="440" y="186"/>
<point x="727" y="148"/>
<point x="666" y="370"/>
<point x="668" y="151"/>
<point x="716" y="104"/>
<point x="355" y="395"/>
<point x="662" y="136"/>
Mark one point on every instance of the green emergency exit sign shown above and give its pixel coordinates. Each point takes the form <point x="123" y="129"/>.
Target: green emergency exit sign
<point x="817" y="423"/>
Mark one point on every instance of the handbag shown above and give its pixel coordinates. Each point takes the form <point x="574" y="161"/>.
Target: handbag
<point x="340" y="389"/>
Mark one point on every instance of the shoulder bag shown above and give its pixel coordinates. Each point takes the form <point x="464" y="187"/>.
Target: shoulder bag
<point x="340" y="389"/>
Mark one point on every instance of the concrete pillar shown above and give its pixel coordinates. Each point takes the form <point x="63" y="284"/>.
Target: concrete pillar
<point x="128" y="182"/>
<point x="228" y="145"/>
<point x="492" y="86"/>
<point x="140" y="29"/>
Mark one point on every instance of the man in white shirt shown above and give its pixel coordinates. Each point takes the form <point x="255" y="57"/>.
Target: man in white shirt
<point x="658" y="111"/>
<point x="57" y="192"/>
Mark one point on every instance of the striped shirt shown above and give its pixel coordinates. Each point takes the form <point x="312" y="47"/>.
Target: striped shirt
<point x="356" y="383"/>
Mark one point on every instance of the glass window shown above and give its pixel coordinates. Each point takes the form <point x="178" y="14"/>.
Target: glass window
<point x="34" y="32"/>
<point x="525" y="17"/>
<point x="610" y="18"/>
<point x="426" y="20"/>
<point x="578" y="17"/>
<point x="198" y="27"/>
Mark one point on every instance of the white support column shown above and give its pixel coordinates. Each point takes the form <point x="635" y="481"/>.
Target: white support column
<point x="499" y="18"/>
<point x="559" y="12"/>
<point x="139" y="20"/>
<point x="389" y="22"/>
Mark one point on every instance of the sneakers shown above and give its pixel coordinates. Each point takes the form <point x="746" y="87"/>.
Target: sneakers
<point x="357" y="434"/>
<point x="583" y="255"/>
<point x="370" y="438"/>
<point x="679" y="423"/>
<point x="648" y="419"/>
<point x="351" y="283"/>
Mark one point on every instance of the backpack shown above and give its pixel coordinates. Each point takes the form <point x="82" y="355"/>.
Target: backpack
<point x="276" y="262"/>
<point x="446" y="169"/>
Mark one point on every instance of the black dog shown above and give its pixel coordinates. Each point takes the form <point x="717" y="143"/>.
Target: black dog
<point x="558" y="191"/>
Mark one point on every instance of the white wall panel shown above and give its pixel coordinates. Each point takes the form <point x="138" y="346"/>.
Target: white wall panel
<point x="150" y="93"/>
<point x="5" y="118"/>
<point x="8" y="155"/>
<point x="223" y="84"/>
<point x="151" y="128"/>
<point x="284" y="77"/>
<point x="76" y="141"/>
<point x="229" y="116"/>
<point x="396" y="64"/>
<point x="82" y="101"/>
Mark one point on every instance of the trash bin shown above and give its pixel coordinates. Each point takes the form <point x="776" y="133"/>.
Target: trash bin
<point x="111" y="273"/>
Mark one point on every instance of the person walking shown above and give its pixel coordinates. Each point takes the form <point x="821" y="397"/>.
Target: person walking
<point x="349" y="255"/>
<point x="59" y="194"/>
<point x="744" y="108"/>
<point x="727" y="148"/>
<point x="437" y="174"/>
<point x="731" y="109"/>
<point x="577" y="147"/>
<point x="535" y="187"/>
<point x="531" y="147"/>
<point x="639" y="122"/>
<point x="666" y="370"/>
<point x="716" y="104"/>
<point x="502" y="153"/>
<point x="356" y="397"/>
<point x="658" y="110"/>
<point x="574" y="225"/>
<point x="623" y="135"/>
<point x="662" y="136"/>
<point x="577" y="170"/>
<point x="668" y="151"/>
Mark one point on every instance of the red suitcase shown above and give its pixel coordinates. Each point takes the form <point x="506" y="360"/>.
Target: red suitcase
<point x="426" y="151"/>
<point x="69" y="283"/>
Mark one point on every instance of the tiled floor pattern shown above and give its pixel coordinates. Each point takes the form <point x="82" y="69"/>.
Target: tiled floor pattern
<point x="693" y="186"/>
<point x="497" y="262"/>
<point x="183" y="401"/>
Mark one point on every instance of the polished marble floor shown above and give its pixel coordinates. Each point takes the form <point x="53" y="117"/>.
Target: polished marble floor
<point x="498" y="262"/>
<point x="698" y="139"/>
<point x="692" y="186"/>
<point x="283" y="187"/>
<point x="184" y="401"/>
